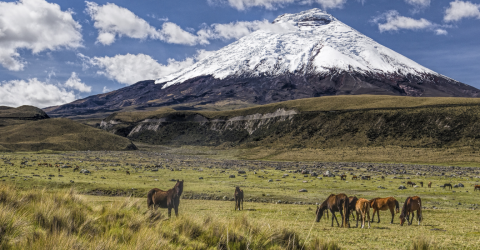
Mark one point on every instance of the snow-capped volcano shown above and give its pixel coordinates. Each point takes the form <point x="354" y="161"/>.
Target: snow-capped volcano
<point x="310" y="42"/>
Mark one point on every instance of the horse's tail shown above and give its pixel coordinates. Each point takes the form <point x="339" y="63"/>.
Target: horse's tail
<point x="419" y="213"/>
<point x="397" y="207"/>
<point x="150" y="198"/>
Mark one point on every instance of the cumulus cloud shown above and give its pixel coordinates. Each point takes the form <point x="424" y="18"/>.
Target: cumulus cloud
<point x="274" y="4"/>
<point x="460" y="9"/>
<point x="129" y="69"/>
<point x="394" y="22"/>
<point x="35" y="25"/>
<point x="441" y="32"/>
<point x="76" y="83"/>
<point x="33" y="92"/>
<point x="419" y="3"/>
<point x="113" y="21"/>
<point x="237" y="30"/>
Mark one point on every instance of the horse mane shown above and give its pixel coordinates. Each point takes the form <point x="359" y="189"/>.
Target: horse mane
<point x="178" y="188"/>
<point x="403" y="214"/>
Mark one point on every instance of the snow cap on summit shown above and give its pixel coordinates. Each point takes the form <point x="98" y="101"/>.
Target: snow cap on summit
<point x="309" y="16"/>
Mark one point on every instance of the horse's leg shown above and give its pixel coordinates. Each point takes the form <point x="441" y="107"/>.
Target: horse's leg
<point x="373" y="215"/>
<point x="334" y="216"/>
<point x="176" y="210"/>
<point x="392" y="211"/>
<point x="343" y="217"/>
<point x="378" y="215"/>
<point x="169" y="212"/>
<point x="242" y="203"/>
<point x="368" y="214"/>
<point x="357" y="217"/>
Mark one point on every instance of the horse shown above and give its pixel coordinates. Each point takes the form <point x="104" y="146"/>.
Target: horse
<point x="354" y="177"/>
<point x="447" y="185"/>
<point x="477" y="187"/>
<point x="383" y="204"/>
<point x="238" y="198"/>
<point x="383" y="178"/>
<point x="128" y="172"/>
<point x="343" y="177"/>
<point x="77" y="168"/>
<point x="411" y="205"/>
<point x="367" y="177"/>
<point x="421" y="183"/>
<point x="166" y="199"/>
<point x="362" y="207"/>
<point x="335" y="203"/>
<point x="352" y="200"/>
<point x="430" y="184"/>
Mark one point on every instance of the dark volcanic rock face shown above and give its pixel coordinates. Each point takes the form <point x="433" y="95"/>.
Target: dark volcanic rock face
<point x="263" y="90"/>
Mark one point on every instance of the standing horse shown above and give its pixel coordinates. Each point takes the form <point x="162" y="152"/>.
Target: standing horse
<point x="421" y="183"/>
<point x="352" y="200"/>
<point x="335" y="203"/>
<point x="383" y="204"/>
<point x="343" y="177"/>
<point x="238" y="198"/>
<point x="447" y="185"/>
<point x="411" y="205"/>
<point x="477" y="187"/>
<point x="430" y="184"/>
<point x="166" y="199"/>
<point x="362" y="207"/>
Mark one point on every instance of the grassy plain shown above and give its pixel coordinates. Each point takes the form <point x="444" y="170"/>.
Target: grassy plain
<point x="450" y="216"/>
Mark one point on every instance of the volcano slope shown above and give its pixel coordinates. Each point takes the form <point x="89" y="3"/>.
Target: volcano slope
<point x="316" y="123"/>
<point x="28" y="128"/>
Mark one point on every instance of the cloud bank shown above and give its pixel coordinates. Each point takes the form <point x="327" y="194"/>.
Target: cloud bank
<point x="393" y="21"/>
<point x="35" y="25"/>
<point x="274" y="4"/>
<point x="460" y="9"/>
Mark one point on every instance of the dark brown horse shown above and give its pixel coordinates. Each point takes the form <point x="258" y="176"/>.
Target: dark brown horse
<point x="238" y="198"/>
<point x="421" y="183"/>
<point x="411" y="205"/>
<point x="477" y="187"/>
<point x="354" y="177"/>
<point x="166" y="199"/>
<point x="352" y="200"/>
<point x="383" y="204"/>
<point x="343" y="177"/>
<point x="335" y="203"/>
<point x="447" y="185"/>
<point x="128" y="172"/>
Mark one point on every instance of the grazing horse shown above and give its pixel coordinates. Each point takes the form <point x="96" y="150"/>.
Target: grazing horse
<point x="238" y="198"/>
<point x="477" y="187"/>
<point x="447" y="185"/>
<point x="362" y="207"/>
<point x="352" y="200"/>
<point x="421" y="183"/>
<point x="335" y="203"/>
<point x="128" y="172"/>
<point x="166" y="199"/>
<point x="367" y="177"/>
<point x="343" y="177"/>
<point x="383" y="204"/>
<point x="411" y="205"/>
<point x="77" y="168"/>
<point x="430" y="184"/>
<point x="383" y="178"/>
<point x="354" y="177"/>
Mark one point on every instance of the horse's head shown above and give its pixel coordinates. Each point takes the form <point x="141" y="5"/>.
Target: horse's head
<point x="319" y="213"/>
<point x="179" y="187"/>
<point x="402" y="219"/>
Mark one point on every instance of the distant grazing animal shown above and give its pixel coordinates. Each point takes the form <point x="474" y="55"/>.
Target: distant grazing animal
<point x="343" y="177"/>
<point x="366" y="177"/>
<point x="411" y="183"/>
<point x="362" y="207"/>
<point x="411" y="205"/>
<point x="447" y="185"/>
<point x="77" y="168"/>
<point x="430" y="184"/>
<point x="383" y="178"/>
<point x="477" y="187"/>
<point x="335" y="203"/>
<point x="59" y="170"/>
<point x="166" y="199"/>
<point x="383" y="204"/>
<point x="354" y="177"/>
<point x="352" y="200"/>
<point x="238" y="198"/>
<point x="421" y="183"/>
<point x="128" y="172"/>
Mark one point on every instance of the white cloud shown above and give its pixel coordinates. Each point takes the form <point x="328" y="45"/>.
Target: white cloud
<point x="35" y="25"/>
<point x="394" y="22"/>
<point x="441" y="32"/>
<point x="419" y="3"/>
<point x="237" y="30"/>
<point x="75" y="82"/>
<point x="274" y="4"/>
<point x="113" y="21"/>
<point x="129" y="69"/>
<point x="33" y="92"/>
<point x="106" y="90"/>
<point x="460" y="9"/>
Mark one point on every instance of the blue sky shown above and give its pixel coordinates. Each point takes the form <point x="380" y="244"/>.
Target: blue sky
<point x="53" y="52"/>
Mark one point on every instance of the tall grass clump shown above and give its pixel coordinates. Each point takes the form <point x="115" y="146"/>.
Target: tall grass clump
<point x="422" y="244"/>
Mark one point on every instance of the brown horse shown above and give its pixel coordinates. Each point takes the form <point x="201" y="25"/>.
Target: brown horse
<point x="411" y="205"/>
<point x="477" y="187"/>
<point x="238" y="198"/>
<point x="343" y="177"/>
<point x="430" y="184"/>
<point x="447" y="185"/>
<point x="352" y="200"/>
<point x="166" y="199"/>
<point x="354" y="177"/>
<point x="335" y="203"/>
<point x="421" y="183"/>
<point x="362" y="207"/>
<point x="383" y="204"/>
<point x="128" y="172"/>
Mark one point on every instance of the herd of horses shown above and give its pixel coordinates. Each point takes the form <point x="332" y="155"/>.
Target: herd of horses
<point x="341" y="203"/>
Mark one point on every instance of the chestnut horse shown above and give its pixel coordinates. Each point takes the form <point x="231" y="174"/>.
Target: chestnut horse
<point x="362" y="207"/>
<point x="166" y="199"/>
<point x="411" y="205"/>
<point x="238" y="198"/>
<point x="430" y="184"/>
<point x="383" y="204"/>
<point x="335" y="203"/>
<point x="477" y="187"/>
